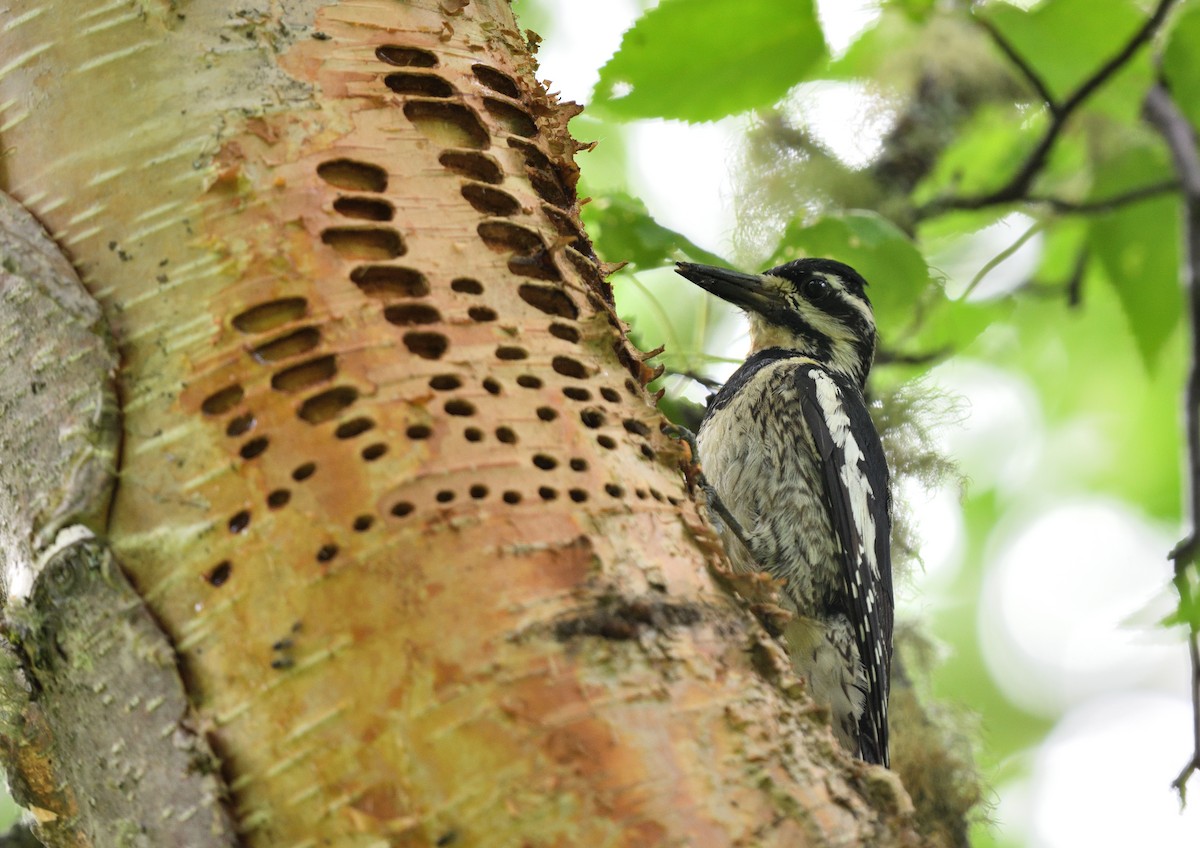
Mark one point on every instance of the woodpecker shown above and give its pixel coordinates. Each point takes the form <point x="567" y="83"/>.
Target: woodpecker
<point x="789" y="450"/>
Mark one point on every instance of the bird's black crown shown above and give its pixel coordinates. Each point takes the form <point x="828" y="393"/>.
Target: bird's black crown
<point x="801" y="270"/>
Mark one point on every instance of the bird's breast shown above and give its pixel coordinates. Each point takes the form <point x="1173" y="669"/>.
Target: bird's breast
<point x="757" y="452"/>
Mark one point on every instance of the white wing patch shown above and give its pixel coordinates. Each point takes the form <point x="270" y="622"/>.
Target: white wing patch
<point x="853" y="477"/>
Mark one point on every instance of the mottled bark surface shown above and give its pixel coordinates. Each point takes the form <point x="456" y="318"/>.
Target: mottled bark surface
<point x="390" y="482"/>
<point x="59" y="433"/>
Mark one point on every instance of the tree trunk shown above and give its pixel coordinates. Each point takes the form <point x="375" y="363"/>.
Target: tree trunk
<point x="389" y="481"/>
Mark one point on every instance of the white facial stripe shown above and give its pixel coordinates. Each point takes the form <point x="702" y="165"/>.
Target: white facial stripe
<point x="856" y="302"/>
<point x="823" y="322"/>
<point x="833" y="340"/>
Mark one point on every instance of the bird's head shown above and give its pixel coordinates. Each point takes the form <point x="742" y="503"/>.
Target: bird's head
<point x="815" y="306"/>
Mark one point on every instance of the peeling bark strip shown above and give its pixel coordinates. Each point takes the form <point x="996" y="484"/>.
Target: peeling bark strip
<point x="380" y="424"/>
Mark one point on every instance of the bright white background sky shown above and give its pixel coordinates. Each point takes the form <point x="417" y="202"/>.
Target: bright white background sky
<point x="1080" y="646"/>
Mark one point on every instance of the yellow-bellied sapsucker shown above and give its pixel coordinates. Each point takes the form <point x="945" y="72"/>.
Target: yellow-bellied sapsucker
<point x="789" y="448"/>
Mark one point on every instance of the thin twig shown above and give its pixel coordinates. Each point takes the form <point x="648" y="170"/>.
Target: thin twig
<point x="661" y="313"/>
<point x="1075" y="283"/>
<point x="1027" y="71"/>
<point x="1000" y="257"/>
<point x="1161" y="112"/>
<point x="696" y="377"/>
<point x="883" y="356"/>
<point x="1106" y="204"/>
<point x="1124" y="55"/>
<point x="1018" y="184"/>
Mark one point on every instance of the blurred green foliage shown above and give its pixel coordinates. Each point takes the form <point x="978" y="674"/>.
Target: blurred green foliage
<point x="1181" y="61"/>
<point x="1093" y="323"/>
<point x="687" y="59"/>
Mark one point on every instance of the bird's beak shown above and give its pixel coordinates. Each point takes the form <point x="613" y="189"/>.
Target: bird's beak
<point x="743" y="290"/>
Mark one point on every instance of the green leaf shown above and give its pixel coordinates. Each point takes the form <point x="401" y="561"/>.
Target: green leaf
<point x="1139" y="250"/>
<point x="531" y="15"/>
<point x="988" y="149"/>
<point x="892" y="34"/>
<point x="1138" y="247"/>
<point x="699" y="60"/>
<point x="912" y="311"/>
<point x="951" y="324"/>
<point x="1063" y="240"/>
<point x="623" y="231"/>
<point x="917" y="10"/>
<point x="1181" y="62"/>
<point x="1118" y="424"/>
<point x="1067" y="40"/>
<point x="606" y="166"/>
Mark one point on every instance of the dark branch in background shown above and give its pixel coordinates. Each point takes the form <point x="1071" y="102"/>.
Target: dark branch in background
<point x="708" y="382"/>
<point x="1162" y="113"/>
<point x="1075" y="283"/>
<point x="1106" y="204"/>
<point x="1060" y="112"/>
<point x="1027" y="71"/>
<point x="885" y="356"/>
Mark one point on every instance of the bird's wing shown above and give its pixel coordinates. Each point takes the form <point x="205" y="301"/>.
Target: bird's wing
<point x="856" y="491"/>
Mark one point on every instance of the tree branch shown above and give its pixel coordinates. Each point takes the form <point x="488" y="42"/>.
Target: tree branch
<point x="885" y="356"/>
<point x="1018" y="185"/>
<point x="1000" y="257"/>
<point x="1106" y="204"/>
<point x="1027" y="71"/>
<point x="1075" y="283"/>
<point x="1163" y="114"/>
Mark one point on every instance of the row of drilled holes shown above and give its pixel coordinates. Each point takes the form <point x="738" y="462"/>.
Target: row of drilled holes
<point x="384" y="243"/>
<point x="529" y="251"/>
<point x="446" y="120"/>
<point x="355" y="427"/>
<point x="455" y="124"/>
<point x="529" y="257"/>
<point x="353" y="242"/>
<point x="592" y="417"/>
<point x="415" y="57"/>
<point x="220" y="573"/>
<point x="361" y="242"/>
<point x="263" y="318"/>
<point x="279" y="498"/>
<point x="380" y="243"/>
<point x="430" y="84"/>
<point x="327" y="404"/>
<point x="478" y="491"/>
<point x="391" y="281"/>
<point x="429" y="344"/>
<point x="551" y="301"/>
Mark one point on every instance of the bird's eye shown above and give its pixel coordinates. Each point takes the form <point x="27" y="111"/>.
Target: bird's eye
<point x="816" y="288"/>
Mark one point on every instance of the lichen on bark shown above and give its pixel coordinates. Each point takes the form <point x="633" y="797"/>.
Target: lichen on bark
<point x="98" y="735"/>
